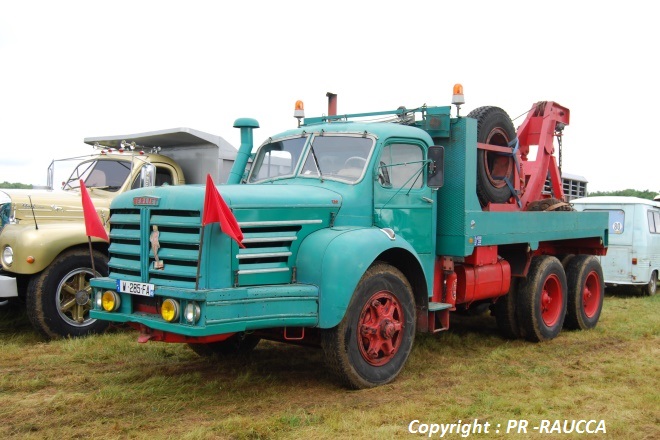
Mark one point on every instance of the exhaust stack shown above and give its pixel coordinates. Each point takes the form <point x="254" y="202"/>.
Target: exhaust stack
<point x="246" y="125"/>
<point x="332" y="103"/>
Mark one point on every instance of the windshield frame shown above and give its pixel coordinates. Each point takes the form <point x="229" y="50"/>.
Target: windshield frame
<point x="305" y="156"/>
<point x="88" y="166"/>
<point x="257" y="163"/>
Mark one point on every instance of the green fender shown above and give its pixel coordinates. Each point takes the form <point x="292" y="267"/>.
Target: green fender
<point x="335" y="260"/>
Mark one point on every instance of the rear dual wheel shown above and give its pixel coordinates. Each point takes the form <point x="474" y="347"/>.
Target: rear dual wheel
<point x="586" y="291"/>
<point x="506" y="313"/>
<point x="542" y="299"/>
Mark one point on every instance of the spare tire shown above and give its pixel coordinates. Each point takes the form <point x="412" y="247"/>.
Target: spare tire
<point x="494" y="127"/>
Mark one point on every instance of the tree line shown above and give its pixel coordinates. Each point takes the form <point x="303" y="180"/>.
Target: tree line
<point x="8" y="185"/>
<point x="646" y="194"/>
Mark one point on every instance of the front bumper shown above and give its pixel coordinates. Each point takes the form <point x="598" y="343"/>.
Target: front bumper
<point x="223" y="311"/>
<point x="8" y="287"/>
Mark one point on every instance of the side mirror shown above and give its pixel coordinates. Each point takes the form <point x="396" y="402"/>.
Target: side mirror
<point x="436" y="170"/>
<point x="148" y="175"/>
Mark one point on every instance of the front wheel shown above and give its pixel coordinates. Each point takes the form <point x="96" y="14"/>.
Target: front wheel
<point x="59" y="298"/>
<point x="542" y="299"/>
<point x="586" y="291"/>
<point x="373" y="341"/>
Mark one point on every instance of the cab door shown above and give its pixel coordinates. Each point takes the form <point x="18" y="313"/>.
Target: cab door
<point x="402" y="201"/>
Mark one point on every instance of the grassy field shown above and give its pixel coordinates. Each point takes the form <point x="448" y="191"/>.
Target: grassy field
<point x="110" y="386"/>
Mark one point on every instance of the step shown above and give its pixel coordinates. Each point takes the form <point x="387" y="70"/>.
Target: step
<point x="436" y="307"/>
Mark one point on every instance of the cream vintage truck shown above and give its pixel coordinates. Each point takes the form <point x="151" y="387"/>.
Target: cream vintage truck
<point x="44" y="251"/>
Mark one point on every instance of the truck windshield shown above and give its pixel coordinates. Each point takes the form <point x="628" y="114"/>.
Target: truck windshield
<point x="109" y="175"/>
<point x="332" y="157"/>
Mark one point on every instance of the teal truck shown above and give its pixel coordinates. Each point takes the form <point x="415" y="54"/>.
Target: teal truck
<point x="359" y="231"/>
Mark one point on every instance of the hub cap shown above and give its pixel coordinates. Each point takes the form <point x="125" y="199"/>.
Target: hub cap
<point x="380" y="328"/>
<point x="591" y="295"/>
<point x="73" y="298"/>
<point x="551" y="301"/>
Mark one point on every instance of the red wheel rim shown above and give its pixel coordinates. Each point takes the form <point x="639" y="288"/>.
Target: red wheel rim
<point x="591" y="294"/>
<point x="497" y="166"/>
<point x="551" y="300"/>
<point x="380" y="328"/>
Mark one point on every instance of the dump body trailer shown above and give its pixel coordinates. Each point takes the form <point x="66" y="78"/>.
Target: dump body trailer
<point x="356" y="235"/>
<point x="46" y="256"/>
<point x="633" y="256"/>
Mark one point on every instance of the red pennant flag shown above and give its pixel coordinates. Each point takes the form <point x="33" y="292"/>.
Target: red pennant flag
<point x="217" y="211"/>
<point x="93" y="224"/>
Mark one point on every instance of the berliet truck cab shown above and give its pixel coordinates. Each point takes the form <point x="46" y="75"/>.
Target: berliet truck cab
<point x="355" y="235"/>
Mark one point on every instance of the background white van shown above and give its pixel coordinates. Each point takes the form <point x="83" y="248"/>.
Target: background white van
<point x="633" y="253"/>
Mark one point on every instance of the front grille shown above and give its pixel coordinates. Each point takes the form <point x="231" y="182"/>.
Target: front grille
<point x="269" y="247"/>
<point x="125" y="244"/>
<point x="179" y="235"/>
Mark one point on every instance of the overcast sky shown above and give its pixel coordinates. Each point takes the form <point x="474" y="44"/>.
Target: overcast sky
<point x="76" y="69"/>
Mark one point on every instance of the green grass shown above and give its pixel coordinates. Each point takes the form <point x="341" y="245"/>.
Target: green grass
<point x="109" y="386"/>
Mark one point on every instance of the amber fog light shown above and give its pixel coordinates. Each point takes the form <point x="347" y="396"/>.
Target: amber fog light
<point x="192" y="313"/>
<point x="110" y="301"/>
<point x="169" y="310"/>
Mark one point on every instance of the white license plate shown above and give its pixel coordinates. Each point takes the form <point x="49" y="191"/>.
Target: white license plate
<point x="135" y="288"/>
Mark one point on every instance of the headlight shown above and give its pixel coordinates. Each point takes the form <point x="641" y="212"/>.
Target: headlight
<point x="110" y="301"/>
<point x="192" y="313"/>
<point x="8" y="255"/>
<point x="169" y="310"/>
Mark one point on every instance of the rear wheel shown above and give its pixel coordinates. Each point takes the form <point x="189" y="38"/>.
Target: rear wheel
<point x="59" y="298"/>
<point x="586" y="291"/>
<point x="238" y="344"/>
<point x="373" y="341"/>
<point x="505" y="311"/>
<point x="542" y="299"/>
<point x="494" y="127"/>
<point x="652" y="286"/>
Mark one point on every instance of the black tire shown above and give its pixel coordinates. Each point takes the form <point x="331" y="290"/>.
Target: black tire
<point x="652" y="286"/>
<point x="586" y="291"/>
<point x="59" y="298"/>
<point x="542" y="299"/>
<point x="369" y="348"/>
<point x="494" y="127"/>
<point x="565" y="259"/>
<point x="236" y="345"/>
<point x="549" y="205"/>
<point x="506" y="313"/>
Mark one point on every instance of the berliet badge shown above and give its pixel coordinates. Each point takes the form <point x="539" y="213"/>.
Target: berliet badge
<point x="155" y="245"/>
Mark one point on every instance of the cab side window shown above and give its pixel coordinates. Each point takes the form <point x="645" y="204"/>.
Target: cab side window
<point x="401" y="165"/>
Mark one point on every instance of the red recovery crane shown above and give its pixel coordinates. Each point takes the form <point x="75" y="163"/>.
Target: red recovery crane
<point x="544" y="121"/>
